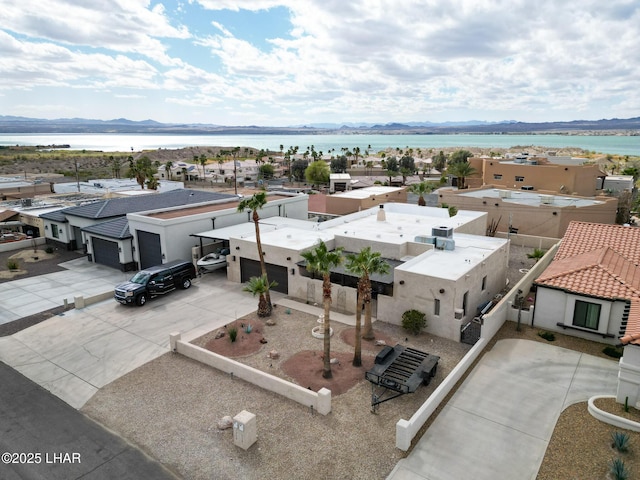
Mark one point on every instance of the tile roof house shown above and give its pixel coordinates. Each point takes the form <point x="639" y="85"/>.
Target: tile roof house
<point x="592" y="289"/>
<point x="101" y="227"/>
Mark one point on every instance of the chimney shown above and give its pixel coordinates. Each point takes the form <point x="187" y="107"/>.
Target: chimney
<point x="381" y="215"/>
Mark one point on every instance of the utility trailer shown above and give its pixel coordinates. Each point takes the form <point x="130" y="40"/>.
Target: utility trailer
<point x="399" y="370"/>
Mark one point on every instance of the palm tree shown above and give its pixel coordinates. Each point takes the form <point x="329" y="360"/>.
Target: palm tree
<point x="364" y="264"/>
<point x="321" y="260"/>
<point x="167" y="168"/>
<point x="421" y="189"/>
<point x="537" y="254"/>
<point x="203" y="161"/>
<point x="461" y="170"/>
<point x="260" y="286"/>
<point x="254" y="203"/>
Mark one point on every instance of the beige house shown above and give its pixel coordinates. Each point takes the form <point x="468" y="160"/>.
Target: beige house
<point x="361" y="199"/>
<point x="530" y="212"/>
<point x="443" y="266"/>
<point x="537" y="173"/>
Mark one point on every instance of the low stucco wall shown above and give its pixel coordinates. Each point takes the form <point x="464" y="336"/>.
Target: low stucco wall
<point x="320" y="401"/>
<point x="21" y="244"/>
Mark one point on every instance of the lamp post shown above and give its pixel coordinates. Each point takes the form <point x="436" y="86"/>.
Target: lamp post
<point x="519" y="299"/>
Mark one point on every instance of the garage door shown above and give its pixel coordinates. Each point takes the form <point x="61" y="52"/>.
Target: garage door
<point x="150" y="250"/>
<point x="106" y="252"/>
<point x="251" y="268"/>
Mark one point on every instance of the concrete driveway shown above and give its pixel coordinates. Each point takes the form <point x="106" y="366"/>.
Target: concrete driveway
<point x="76" y="353"/>
<point x="499" y="422"/>
<point x="27" y="296"/>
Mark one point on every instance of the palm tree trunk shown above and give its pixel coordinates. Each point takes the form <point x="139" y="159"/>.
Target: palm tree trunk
<point x="357" y="354"/>
<point x="368" y="327"/>
<point x="326" y="294"/>
<point x="263" y="266"/>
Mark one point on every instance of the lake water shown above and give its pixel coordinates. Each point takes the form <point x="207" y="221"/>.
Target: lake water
<point x="613" y="144"/>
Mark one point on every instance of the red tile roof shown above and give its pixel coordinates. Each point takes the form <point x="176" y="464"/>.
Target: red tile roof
<point x="602" y="261"/>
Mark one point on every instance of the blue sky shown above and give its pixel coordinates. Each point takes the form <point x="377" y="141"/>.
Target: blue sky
<point x="292" y="62"/>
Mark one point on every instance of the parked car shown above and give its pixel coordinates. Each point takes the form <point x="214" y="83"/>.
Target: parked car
<point x="213" y="261"/>
<point x="154" y="281"/>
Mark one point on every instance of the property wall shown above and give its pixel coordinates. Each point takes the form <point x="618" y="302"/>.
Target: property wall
<point x="320" y="401"/>
<point x="554" y="306"/>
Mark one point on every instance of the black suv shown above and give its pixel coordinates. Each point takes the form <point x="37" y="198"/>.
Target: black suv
<point x="154" y="281"/>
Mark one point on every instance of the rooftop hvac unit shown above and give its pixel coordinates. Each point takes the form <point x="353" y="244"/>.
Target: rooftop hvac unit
<point x="444" y="232"/>
<point x="445" y="243"/>
<point x="505" y="193"/>
<point x="26" y="202"/>
<point x="425" y="239"/>
<point x="458" y="313"/>
<point x="546" y="199"/>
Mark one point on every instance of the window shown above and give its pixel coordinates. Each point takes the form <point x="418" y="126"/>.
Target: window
<point x="465" y="299"/>
<point x="497" y="176"/>
<point x="54" y="231"/>
<point x="586" y="315"/>
<point x="519" y="178"/>
<point x="436" y="306"/>
<point x="484" y="282"/>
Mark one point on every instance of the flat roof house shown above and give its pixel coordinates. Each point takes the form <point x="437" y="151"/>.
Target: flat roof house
<point x="542" y="214"/>
<point x="443" y="266"/>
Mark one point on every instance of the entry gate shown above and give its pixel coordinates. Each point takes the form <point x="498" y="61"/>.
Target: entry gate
<point x="470" y="333"/>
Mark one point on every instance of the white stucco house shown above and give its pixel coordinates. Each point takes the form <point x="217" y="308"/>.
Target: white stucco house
<point x="443" y="266"/>
<point x="591" y="289"/>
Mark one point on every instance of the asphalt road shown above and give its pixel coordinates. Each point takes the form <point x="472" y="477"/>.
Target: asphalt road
<point x="41" y="437"/>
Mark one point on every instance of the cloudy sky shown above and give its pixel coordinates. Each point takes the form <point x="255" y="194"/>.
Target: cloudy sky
<point x="291" y="62"/>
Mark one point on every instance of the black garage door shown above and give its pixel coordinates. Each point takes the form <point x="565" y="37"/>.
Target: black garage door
<point x="105" y="252"/>
<point x="251" y="268"/>
<point x="150" y="251"/>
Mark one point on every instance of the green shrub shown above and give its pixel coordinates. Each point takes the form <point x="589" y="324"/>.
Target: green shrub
<point x="49" y="249"/>
<point x="413" y="321"/>
<point x="548" y="336"/>
<point x="13" y="264"/>
<point x="611" y="351"/>
<point x="620" y="441"/>
<point x="618" y="469"/>
<point x="233" y="333"/>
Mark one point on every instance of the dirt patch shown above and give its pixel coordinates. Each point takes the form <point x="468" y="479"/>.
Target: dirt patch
<point x="245" y="343"/>
<point x="348" y="336"/>
<point x="306" y="369"/>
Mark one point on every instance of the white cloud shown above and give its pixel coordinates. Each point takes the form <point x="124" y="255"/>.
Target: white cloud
<point x="374" y="60"/>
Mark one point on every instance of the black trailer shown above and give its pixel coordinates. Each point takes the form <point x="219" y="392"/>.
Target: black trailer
<point x="399" y="370"/>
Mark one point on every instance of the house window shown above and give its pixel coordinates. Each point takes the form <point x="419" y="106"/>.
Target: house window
<point x="484" y="282"/>
<point x="586" y="315"/>
<point x="497" y="176"/>
<point x="54" y="231"/>
<point x="519" y="178"/>
<point x="465" y="299"/>
<point x="436" y="306"/>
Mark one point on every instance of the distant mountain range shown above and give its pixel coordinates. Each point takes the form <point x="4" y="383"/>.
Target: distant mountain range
<point x="12" y="124"/>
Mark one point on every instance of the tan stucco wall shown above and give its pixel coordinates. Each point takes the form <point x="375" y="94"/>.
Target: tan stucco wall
<point x="576" y="179"/>
<point x="538" y="220"/>
<point x="341" y="205"/>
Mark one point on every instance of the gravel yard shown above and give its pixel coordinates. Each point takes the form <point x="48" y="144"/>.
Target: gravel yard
<point x="170" y="407"/>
